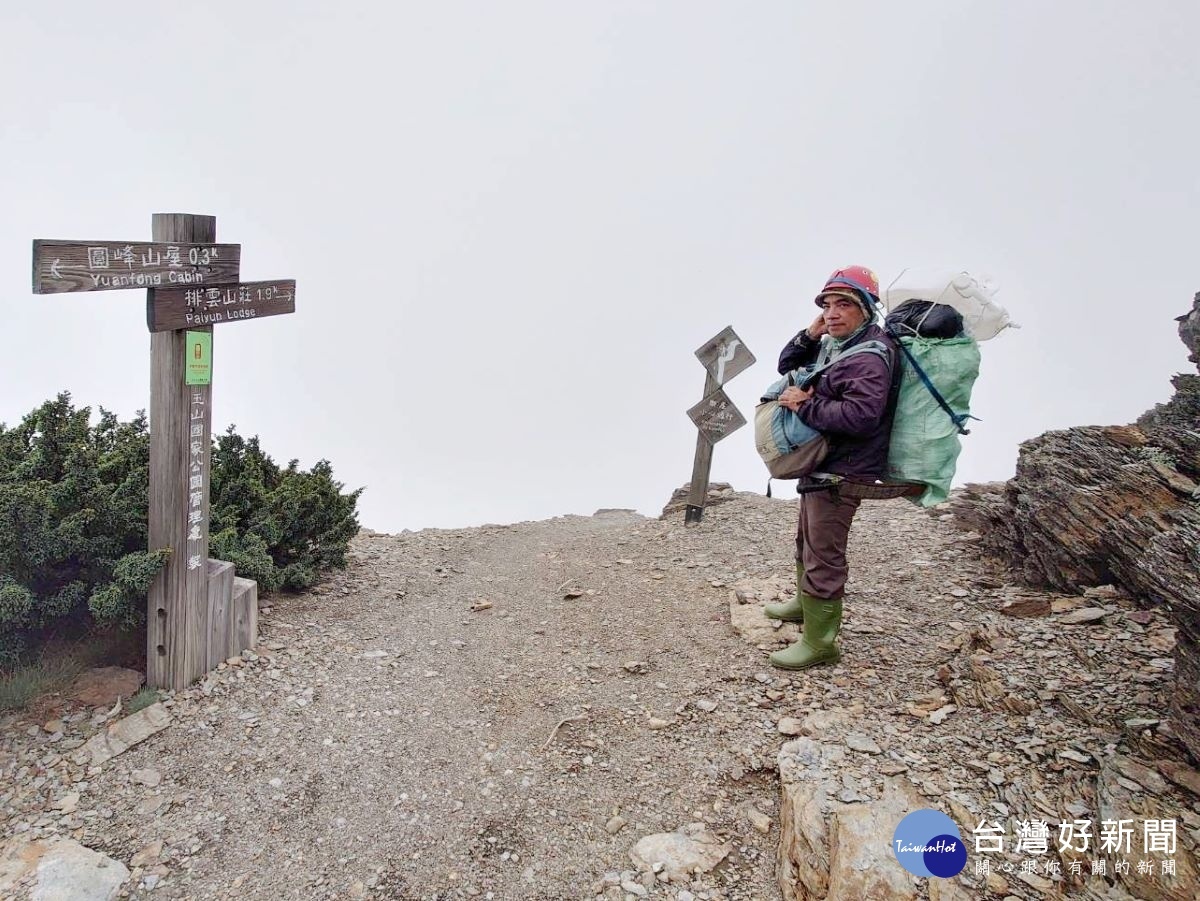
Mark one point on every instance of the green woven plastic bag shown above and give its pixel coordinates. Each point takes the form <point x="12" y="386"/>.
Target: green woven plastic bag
<point x="925" y="444"/>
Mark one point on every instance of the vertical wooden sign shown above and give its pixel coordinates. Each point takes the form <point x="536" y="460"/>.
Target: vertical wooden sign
<point x="180" y="445"/>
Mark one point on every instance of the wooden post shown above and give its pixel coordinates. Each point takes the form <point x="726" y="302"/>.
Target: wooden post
<point x="180" y="444"/>
<point x="701" y="467"/>
<point x="723" y="356"/>
<point x="243" y="618"/>
<point x="220" y="604"/>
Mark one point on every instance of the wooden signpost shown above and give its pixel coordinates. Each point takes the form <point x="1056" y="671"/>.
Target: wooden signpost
<point x="199" y="612"/>
<point x="723" y="356"/>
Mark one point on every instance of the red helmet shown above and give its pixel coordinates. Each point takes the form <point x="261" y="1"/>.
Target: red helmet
<point x="857" y="278"/>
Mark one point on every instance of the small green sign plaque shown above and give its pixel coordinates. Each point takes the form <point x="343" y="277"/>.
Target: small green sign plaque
<point x="198" y="358"/>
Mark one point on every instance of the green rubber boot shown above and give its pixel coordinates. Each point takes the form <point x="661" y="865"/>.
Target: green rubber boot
<point x="822" y="622"/>
<point x="790" y="611"/>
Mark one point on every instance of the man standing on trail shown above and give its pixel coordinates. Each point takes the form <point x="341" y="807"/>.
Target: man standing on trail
<point x="850" y="405"/>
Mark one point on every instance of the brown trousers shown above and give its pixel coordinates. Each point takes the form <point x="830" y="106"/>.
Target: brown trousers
<point x="821" y="538"/>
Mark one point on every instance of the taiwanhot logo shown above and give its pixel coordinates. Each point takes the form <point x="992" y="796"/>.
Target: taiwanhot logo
<point x="927" y="843"/>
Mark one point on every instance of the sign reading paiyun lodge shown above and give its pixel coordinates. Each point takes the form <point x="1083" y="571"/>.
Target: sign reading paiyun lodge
<point x="62" y="266"/>
<point x="199" y="612"/>
<point x="174" y="308"/>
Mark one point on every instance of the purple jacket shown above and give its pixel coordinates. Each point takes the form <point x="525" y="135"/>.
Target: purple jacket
<point x="851" y="404"/>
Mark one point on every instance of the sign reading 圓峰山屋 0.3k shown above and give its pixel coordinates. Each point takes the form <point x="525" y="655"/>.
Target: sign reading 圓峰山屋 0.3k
<point x="70" y="266"/>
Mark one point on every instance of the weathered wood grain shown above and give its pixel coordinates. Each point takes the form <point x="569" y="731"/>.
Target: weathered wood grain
<point x="176" y="308"/>
<point x="244" y="621"/>
<point x="179" y="447"/>
<point x="220" y="613"/>
<point x="63" y="266"/>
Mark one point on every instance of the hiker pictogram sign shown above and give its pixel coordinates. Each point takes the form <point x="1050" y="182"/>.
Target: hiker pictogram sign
<point x="724" y="356"/>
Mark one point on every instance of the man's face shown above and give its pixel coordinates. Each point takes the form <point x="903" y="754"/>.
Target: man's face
<point x="842" y="315"/>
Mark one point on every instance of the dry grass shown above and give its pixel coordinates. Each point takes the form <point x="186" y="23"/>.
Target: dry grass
<point x="142" y="699"/>
<point x="57" y="666"/>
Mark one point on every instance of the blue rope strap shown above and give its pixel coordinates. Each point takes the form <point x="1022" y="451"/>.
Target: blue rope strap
<point x="957" y="418"/>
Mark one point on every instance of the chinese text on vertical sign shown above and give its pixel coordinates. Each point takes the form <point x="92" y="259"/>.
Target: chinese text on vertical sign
<point x="196" y="488"/>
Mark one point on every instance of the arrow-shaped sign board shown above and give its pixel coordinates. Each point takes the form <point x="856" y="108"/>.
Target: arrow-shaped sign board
<point x="61" y="266"/>
<point x="724" y="356"/>
<point x="175" y="308"/>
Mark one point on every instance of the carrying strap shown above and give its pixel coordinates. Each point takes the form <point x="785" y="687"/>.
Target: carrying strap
<point x="957" y="418"/>
<point x="823" y="362"/>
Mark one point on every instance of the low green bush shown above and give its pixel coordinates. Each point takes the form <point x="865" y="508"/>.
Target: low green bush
<point x="73" y="521"/>
<point x="280" y="526"/>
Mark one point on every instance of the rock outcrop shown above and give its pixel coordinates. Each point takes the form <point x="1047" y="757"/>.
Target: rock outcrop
<point x="717" y="493"/>
<point x="1113" y="505"/>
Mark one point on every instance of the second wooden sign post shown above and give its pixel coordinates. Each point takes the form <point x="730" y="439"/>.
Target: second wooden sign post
<point x="723" y="356"/>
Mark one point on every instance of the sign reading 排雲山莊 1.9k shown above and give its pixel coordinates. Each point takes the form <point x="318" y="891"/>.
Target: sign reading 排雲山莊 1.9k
<point x="175" y="308"/>
<point x="63" y="266"/>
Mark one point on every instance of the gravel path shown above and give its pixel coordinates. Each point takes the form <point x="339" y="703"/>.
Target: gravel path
<point x="502" y="712"/>
<point x="403" y="745"/>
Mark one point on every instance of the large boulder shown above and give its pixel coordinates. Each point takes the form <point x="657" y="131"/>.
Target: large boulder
<point x="1113" y="505"/>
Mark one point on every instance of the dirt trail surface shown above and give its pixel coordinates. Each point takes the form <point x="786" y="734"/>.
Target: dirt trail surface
<point x="503" y="712"/>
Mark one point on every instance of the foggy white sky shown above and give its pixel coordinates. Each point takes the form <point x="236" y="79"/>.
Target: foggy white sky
<point x="512" y="224"/>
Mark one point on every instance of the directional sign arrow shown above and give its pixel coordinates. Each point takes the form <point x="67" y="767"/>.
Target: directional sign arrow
<point x="60" y="266"/>
<point x="176" y="308"/>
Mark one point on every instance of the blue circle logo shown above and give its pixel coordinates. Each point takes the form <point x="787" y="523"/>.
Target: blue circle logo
<point x="927" y="843"/>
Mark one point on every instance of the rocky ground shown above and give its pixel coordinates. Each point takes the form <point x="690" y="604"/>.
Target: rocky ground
<point x="1118" y="504"/>
<point x="582" y="708"/>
